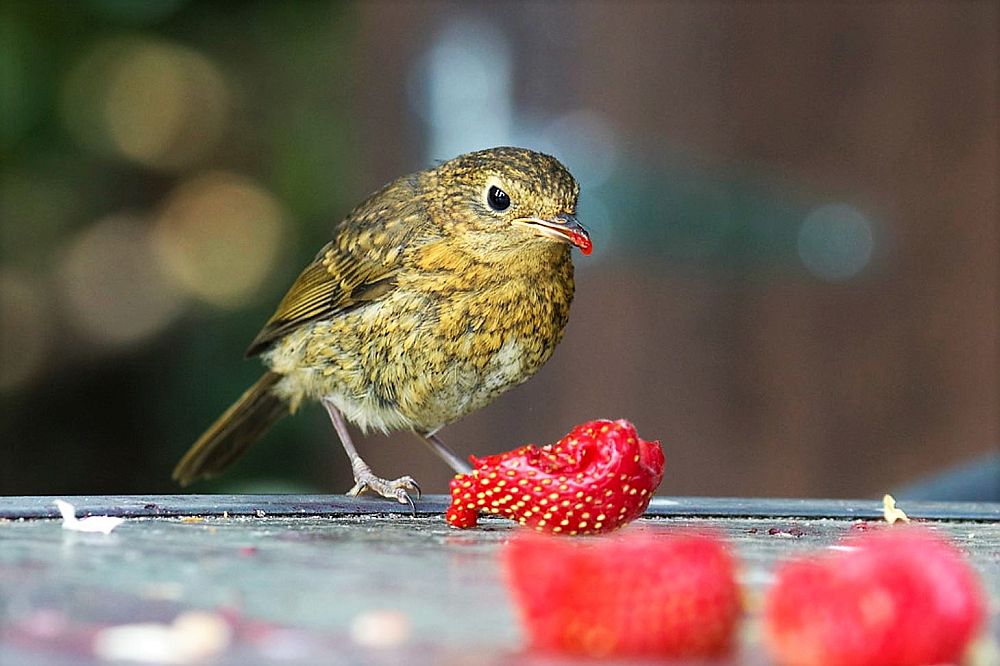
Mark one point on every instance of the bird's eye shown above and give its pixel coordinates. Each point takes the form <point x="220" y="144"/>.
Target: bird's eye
<point x="497" y="199"/>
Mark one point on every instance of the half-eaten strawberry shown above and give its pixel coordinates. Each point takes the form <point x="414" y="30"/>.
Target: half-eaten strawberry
<point x="595" y="479"/>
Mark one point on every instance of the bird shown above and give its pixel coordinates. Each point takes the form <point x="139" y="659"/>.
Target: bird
<point x="435" y="295"/>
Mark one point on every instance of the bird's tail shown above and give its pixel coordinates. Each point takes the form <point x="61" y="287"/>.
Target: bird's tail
<point x="239" y="427"/>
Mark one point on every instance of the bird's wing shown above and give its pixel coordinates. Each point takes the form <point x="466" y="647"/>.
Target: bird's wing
<point x="357" y="267"/>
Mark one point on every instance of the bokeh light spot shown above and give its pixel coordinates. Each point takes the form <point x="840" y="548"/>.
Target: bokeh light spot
<point x="463" y="88"/>
<point x="219" y="237"/>
<point x="25" y="316"/>
<point x="154" y="102"/>
<point x="836" y="242"/>
<point x="114" y="290"/>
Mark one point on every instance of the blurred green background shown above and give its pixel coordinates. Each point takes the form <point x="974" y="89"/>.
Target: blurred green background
<point x="794" y="208"/>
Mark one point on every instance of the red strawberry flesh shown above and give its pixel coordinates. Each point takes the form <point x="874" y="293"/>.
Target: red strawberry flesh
<point x="666" y="595"/>
<point x="597" y="478"/>
<point x="901" y="596"/>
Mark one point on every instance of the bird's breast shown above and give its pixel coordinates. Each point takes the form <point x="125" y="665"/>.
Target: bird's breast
<point x="433" y="350"/>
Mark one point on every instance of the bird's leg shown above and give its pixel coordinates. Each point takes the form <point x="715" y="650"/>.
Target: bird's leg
<point x="398" y="489"/>
<point x="442" y="451"/>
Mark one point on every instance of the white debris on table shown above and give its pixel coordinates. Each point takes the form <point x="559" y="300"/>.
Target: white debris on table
<point x="192" y="637"/>
<point x="891" y="513"/>
<point x="103" y="524"/>
<point x="385" y="628"/>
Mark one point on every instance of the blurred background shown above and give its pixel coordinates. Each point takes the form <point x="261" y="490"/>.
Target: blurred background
<point x="796" y="280"/>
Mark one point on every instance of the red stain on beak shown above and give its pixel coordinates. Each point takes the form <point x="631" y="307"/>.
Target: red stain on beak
<point x="582" y="241"/>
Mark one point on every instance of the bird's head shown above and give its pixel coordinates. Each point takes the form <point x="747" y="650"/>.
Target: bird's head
<point x="510" y="200"/>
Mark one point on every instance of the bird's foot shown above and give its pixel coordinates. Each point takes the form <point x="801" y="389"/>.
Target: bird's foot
<point x="397" y="489"/>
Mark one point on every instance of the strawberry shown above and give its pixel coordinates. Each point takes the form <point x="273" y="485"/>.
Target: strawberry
<point x="595" y="479"/>
<point x="900" y="597"/>
<point x="672" y="595"/>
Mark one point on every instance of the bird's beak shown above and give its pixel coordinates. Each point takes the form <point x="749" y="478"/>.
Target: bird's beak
<point x="562" y="227"/>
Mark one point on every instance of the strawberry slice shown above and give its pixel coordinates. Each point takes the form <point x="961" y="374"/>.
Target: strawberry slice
<point x="900" y="596"/>
<point x="672" y="595"/>
<point x="595" y="479"/>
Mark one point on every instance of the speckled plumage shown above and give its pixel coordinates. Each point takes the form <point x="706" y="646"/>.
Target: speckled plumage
<point x="427" y="304"/>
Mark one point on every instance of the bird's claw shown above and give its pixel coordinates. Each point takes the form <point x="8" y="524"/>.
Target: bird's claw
<point x="398" y="489"/>
<point x="404" y="498"/>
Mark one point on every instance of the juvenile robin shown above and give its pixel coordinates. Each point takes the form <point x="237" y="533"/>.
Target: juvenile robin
<point x="437" y="294"/>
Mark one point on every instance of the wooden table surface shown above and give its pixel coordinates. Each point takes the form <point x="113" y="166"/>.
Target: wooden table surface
<point x="327" y="579"/>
